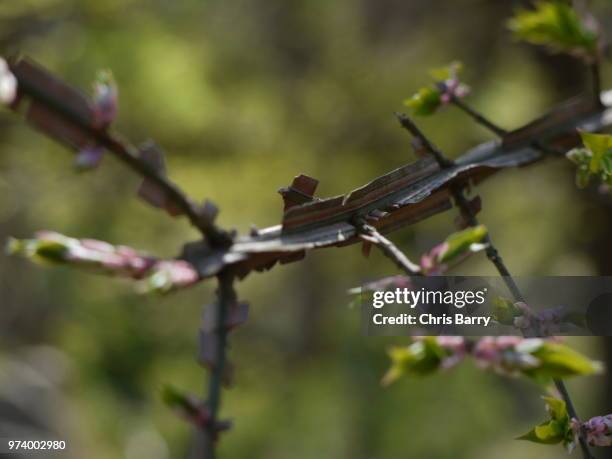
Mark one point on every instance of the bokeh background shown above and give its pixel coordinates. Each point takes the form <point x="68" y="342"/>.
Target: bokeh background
<point x="244" y="95"/>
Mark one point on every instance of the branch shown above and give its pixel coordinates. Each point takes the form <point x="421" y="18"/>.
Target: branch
<point x="409" y="125"/>
<point x="153" y="274"/>
<point x="500" y="132"/>
<point x="129" y="155"/>
<point x="404" y="196"/>
<point x="495" y="258"/>
<point x="226" y="298"/>
<point x="66" y="115"/>
<point x="491" y="251"/>
<point x="388" y="248"/>
<point x="213" y="353"/>
<point x="478" y="117"/>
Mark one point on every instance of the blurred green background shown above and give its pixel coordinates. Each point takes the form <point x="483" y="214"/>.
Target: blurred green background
<point x="244" y="95"/>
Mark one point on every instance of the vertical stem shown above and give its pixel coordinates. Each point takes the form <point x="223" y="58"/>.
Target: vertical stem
<point x="491" y="251"/>
<point x="496" y="259"/>
<point x="205" y="447"/>
<point x="226" y="296"/>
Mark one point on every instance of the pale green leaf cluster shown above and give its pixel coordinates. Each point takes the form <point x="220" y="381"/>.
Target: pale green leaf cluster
<point x="453" y="249"/>
<point x="556" y="25"/>
<point x="428" y="99"/>
<point x="421" y="358"/>
<point x="463" y="242"/>
<point x="557" y="429"/>
<point x="174" y="398"/>
<point x="44" y="251"/>
<point x="449" y="72"/>
<point x="425" y="101"/>
<point x="505" y="310"/>
<point x="593" y="160"/>
<point x="556" y="360"/>
<point x="536" y="359"/>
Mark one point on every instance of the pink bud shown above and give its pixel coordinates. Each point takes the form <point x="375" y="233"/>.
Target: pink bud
<point x="89" y="157"/>
<point x="8" y="84"/>
<point x="105" y="100"/>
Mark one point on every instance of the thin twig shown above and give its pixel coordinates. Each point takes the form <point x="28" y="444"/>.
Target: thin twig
<point x="478" y="117"/>
<point x="130" y="156"/>
<point x="388" y="248"/>
<point x="491" y="251"/>
<point x="500" y="132"/>
<point x="409" y="125"/>
<point x="495" y="258"/>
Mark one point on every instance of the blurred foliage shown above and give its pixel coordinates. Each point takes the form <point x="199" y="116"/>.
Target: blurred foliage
<point x="427" y="100"/>
<point x="593" y="160"/>
<point x="244" y="95"/>
<point x="556" y="25"/>
<point x="556" y="430"/>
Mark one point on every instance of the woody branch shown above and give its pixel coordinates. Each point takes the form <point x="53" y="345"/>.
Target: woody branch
<point x="492" y="254"/>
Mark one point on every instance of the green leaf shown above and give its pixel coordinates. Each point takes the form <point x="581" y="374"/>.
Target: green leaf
<point x="599" y="146"/>
<point x="606" y="162"/>
<point x="550" y="432"/>
<point x="533" y="437"/>
<point x="38" y="250"/>
<point x="579" y="156"/>
<point x="425" y="102"/>
<point x="557" y="26"/>
<point x="583" y="177"/>
<point x="14" y="246"/>
<point x="560" y="361"/>
<point x="593" y="160"/>
<point x="176" y="399"/>
<point x="556" y="408"/>
<point x="504" y="310"/>
<point x="446" y="73"/>
<point x="51" y="251"/>
<point x="105" y="77"/>
<point x="420" y="358"/>
<point x="463" y="241"/>
<point x="556" y="430"/>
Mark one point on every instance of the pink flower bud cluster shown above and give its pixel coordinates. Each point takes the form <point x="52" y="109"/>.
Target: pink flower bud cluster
<point x="105" y="108"/>
<point x="157" y="275"/>
<point x="89" y="157"/>
<point x="543" y="323"/>
<point x="429" y="261"/>
<point x="507" y="355"/>
<point x="452" y="89"/>
<point x="8" y="84"/>
<point x="105" y="99"/>
<point x="168" y="275"/>
<point x="597" y="430"/>
<point x="119" y="260"/>
<point x="456" y="347"/>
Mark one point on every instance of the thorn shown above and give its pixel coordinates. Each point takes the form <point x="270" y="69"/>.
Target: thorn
<point x="300" y="191"/>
